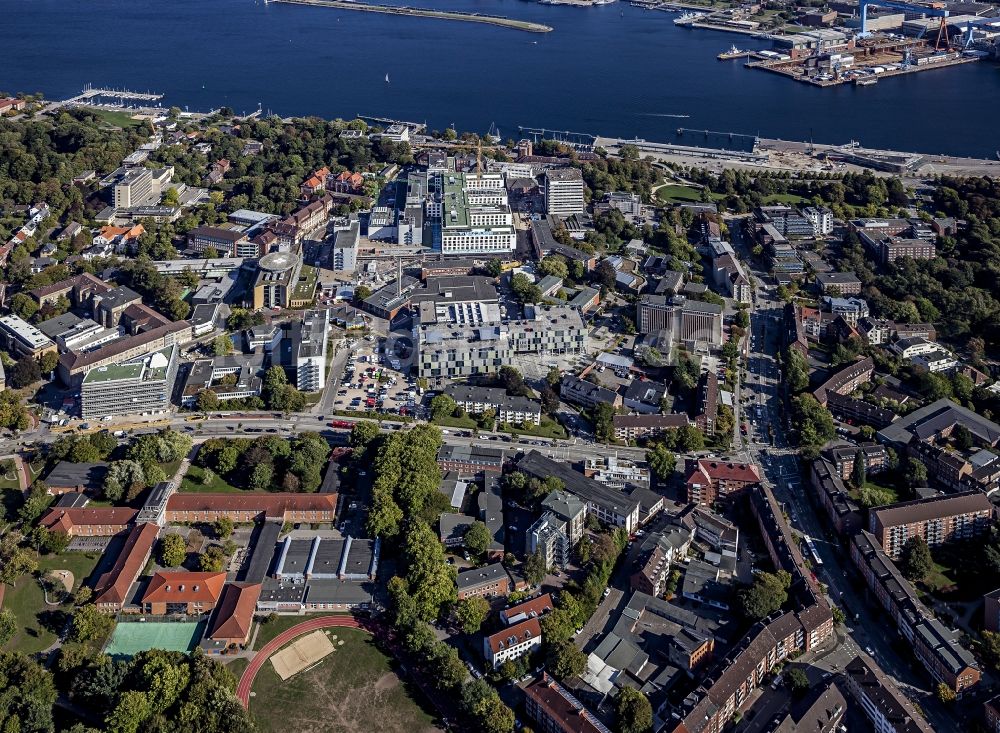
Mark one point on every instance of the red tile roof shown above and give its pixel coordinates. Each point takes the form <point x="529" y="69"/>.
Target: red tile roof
<point x="531" y="608"/>
<point x="112" y="587"/>
<point x="234" y="612"/>
<point x="184" y="587"/>
<point x="529" y="629"/>
<point x="273" y="505"/>
<point x="727" y="471"/>
<point x="63" y="520"/>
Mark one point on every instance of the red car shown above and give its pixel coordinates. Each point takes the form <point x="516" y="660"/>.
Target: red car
<point x="341" y="424"/>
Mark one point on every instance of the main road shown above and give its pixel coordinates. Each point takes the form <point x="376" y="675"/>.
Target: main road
<point x="782" y="473"/>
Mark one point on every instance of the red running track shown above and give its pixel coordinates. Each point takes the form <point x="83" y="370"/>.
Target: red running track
<point x="324" y="622"/>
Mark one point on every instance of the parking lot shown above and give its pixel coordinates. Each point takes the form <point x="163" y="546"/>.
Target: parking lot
<point x="370" y="384"/>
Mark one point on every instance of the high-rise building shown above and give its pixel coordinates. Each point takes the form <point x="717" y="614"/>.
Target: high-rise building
<point x="309" y="343"/>
<point x="564" y="192"/>
<point x="133" y="387"/>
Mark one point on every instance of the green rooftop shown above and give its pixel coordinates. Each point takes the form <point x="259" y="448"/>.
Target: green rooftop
<point x="139" y="368"/>
<point x="454" y="200"/>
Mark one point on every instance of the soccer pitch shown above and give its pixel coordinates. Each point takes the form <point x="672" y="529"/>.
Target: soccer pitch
<point x="132" y="637"/>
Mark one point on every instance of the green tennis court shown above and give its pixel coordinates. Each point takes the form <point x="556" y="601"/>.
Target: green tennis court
<point x="132" y="637"/>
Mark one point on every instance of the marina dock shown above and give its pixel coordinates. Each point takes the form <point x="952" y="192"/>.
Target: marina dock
<point x="498" y="20"/>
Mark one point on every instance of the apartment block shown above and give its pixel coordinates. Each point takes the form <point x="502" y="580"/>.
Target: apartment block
<point x="488" y="581"/>
<point x="512" y="642"/>
<point x="685" y="321"/>
<point x="938" y="648"/>
<point x="555" y="710"/>
<point x="309" y="339"/>
<point x="937" y="520"/>
<point x="638" y="427"/>
<point x="709" y="480"/>
<point x="511" y="409"/>
<point x="887" y="709"/>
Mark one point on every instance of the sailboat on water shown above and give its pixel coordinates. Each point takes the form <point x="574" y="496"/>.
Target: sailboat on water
<point x="386" y="78"/>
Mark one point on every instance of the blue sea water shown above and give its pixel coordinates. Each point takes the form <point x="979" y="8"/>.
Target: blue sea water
<point x="612" y="70"/>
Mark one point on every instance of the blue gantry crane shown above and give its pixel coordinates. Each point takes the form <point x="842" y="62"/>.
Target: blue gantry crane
<point x="933" y="12"/>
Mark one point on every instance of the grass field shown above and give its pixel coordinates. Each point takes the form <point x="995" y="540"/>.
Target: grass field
<point x="133" y="637"/>
<point x="352" y="689"/>
<point x="193" y="482"/>
<point x="675" y="192"/>
<point x="784" y="198"/>
<point x="549" y="428"/>
<point x="35" y="619"/>
<point x="118" y="119"/>
<point x="468" y="422"/>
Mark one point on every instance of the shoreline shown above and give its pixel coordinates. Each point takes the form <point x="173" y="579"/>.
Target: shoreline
<point x="497" y="20"/>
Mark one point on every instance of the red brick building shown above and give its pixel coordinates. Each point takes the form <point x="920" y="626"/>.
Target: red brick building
<point x="709" y="480"/>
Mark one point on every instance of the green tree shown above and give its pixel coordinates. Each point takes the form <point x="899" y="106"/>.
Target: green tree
<point x="813" y="424"/>
<point x="363" y="433"/>
<point x="8" y="626"/>
<point x="362" y="293"/>
<point x="604" y="415"/>
<point x="477" y="538"/>
<point x="916" y="560"/>
<point x="635" y="714"/>
<point x="689" y="439"/>
<point x="173" y="550"/>
<point x="566" y="660"/>
<point x="213" y="560"/>
<point x="224" y="527"/>
<point x="222" y="345"/>
<point x="24" y="373"/>
<point x="916" y="473"/>
<point x="661" y="461"/>
<point x="131" y="712"/>
<point x="442" y="406"/>
<point x="768" y="593"/>
<point x="28" y="695"/>
<point x="535" y="568"/>
<point x="945" y="693"/>
<point x="796" y="370"/>
<point x="471" y="612"/>
<point x="494" y="268"/>
<point x="858" y="472"/>
<point x="90" y="625"/>
<point x="208" y="401"/>
<point x="798" y="681"/>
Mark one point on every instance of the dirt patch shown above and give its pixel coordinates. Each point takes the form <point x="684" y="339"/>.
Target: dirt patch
<point x="387" y="682"/>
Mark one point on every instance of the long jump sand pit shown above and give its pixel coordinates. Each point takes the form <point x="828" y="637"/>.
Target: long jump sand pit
<point x="301" y="654"/>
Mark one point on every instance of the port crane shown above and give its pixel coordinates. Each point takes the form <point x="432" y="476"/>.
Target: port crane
<point x="907" y="8"/>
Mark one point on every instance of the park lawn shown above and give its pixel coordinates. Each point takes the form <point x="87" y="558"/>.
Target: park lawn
<point x="467" y="422"/>
<point x="549" y="428"/>
<point x="118" y="119"/>
<point x="938" y="580"/>
<point x="354" y="688"/>
<point x="236" y="666"/>
<point x="888" y="489"/>
<point x="27" y="601"/>
<point x="192" y="482"/>
<point x="676" y="192"/>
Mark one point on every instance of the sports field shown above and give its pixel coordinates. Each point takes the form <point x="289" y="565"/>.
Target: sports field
<point x="132" y="637"/>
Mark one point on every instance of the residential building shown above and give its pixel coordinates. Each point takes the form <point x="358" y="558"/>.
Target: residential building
<point x="558" y="529"/>
<point x="111" y="591"/>
<point x="510" y="409"/>
<point x="851" y="309"/>
<point x="488" y="581"/>
<point x="938" y="649"/>
<point x="874" y="456"/>
<point x="345" y="248"/>
<point x="140" y="385"/>
<point x="563" y="189"/>
<point x="820" y="218"/>
<point x="532" y="608"/>
<point x="512" y="642"/>
<point x="888" y="710"/>
<point x="555" y="710"/>
<point x="937" y="520"/>
<point x="838" y="283"/>
<point x="135" y="189"/>
<point x="833" y="496"/>
<point x="587" y="394"/>
<point x="182" y="592"/>
<point x="709" y="480"/>
<point x="707" y="406"/>
<point x="645" y="396"/>
<point x="609" y="505"/>
<point x="639" y="427"/>
<point x="846" y="380"/>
